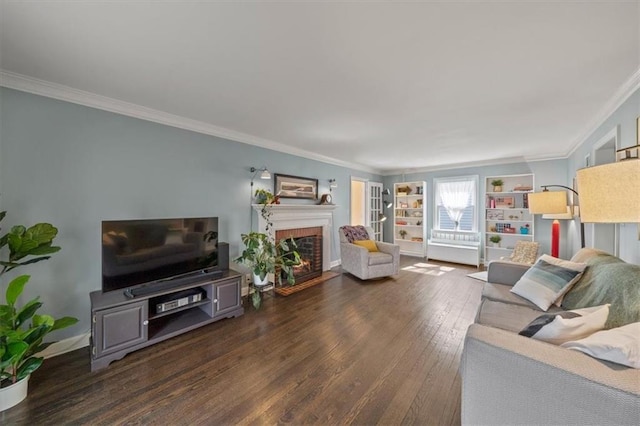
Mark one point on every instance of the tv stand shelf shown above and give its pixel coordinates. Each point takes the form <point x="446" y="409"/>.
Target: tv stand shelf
<point x="121" y="325"/>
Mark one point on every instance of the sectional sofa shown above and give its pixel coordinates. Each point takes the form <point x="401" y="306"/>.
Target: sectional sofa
<point x="511" y="379"/>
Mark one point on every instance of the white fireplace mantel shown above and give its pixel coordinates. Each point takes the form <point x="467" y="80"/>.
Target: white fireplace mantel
<point x="290" y="216"/>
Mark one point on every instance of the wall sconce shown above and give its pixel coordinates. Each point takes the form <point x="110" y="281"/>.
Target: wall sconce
<point x="387" y="204"/>
<point x="264" y="173"/>
<point x="382" y="217"/>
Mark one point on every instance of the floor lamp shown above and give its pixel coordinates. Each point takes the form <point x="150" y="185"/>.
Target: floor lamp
<point x="554" y="204"/>
<point x="610" y="192"/>
<point x="555" y="229"/>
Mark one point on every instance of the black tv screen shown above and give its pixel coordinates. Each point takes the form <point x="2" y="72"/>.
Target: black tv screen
<point x="143" y="251"/>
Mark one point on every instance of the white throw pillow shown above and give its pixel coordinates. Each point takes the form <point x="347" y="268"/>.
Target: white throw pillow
<point x="548" y="280"/>
<point x="620" y="345"/>
<point x="566" y="326"/>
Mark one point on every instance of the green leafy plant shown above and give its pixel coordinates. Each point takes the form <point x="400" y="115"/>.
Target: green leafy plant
<point x="265" y="198"/>
<point x="21" y="329"/>
<point x="497" y="182"/>
<point x="402" y="233"/>
<point x="495" y="239"/>
<point x="263" y="257"/>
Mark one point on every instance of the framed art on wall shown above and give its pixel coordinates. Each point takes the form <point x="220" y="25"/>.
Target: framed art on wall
<point x="287" y="186"/>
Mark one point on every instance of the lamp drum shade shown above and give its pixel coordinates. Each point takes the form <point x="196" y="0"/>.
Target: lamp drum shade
<point x="548" y="202"/>
<point x="610" y="193"/>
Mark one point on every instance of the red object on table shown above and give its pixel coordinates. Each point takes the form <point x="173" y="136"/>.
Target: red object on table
<point x="555" y="238"/>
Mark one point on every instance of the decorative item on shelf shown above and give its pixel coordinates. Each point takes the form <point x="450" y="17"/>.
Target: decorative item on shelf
<point x="495" y="215"/>
<point x="401" y="222"/>
<point x="629" y="153"/>
<point x="21" y="329"/>
<point x="418" y="239"/>
<point x="263" y="256"/>
<point x="418" y="223"/>
<point x="509" y="230"/>
<point x="495" y="239"/>
<point x="505" y="202"/>
<point x="326" y="199"/>
<point x="500" y="227"/>
<point x="403" y="233"/>
<point x="519" y="187"/>
<point x="403" y="190"/>
<point x="524" y="229"/>
<point x="497" y="185"/>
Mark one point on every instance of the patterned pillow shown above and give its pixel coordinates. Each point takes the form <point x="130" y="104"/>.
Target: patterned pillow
<point x="566" y="326"/>
<point x="548" y="280"/>
<point x="525" y="252"/>
<point x="355" y="233"/>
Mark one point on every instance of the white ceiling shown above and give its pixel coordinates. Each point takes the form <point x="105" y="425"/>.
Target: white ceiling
<point x="388" y="86"/>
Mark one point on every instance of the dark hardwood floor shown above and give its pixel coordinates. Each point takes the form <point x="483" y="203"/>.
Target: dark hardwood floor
<point x="343" y="352"/>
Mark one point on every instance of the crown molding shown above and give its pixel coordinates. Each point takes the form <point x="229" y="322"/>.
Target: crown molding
<point x="68" y="94"/>
<point x="617" y="99"/>
<point x="484" y="163"/>
<point x="57" y="91"/>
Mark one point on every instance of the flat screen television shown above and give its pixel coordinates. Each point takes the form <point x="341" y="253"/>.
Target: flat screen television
<point x="151" y="250"/>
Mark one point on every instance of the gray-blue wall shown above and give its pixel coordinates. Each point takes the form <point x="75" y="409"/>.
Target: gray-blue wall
<point x="74" y="166"/>
<point x="625" y="119"/>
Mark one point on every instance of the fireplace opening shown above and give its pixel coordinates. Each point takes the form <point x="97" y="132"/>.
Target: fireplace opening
<point x="309" y="247"/>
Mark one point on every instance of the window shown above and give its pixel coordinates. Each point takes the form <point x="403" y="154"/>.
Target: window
<point x="456" y="203"/>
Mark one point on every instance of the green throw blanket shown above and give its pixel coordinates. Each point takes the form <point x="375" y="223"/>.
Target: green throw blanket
<point x="608" y="279"/>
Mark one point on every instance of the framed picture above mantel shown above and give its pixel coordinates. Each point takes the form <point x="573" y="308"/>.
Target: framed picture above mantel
<point x="287" y="186"/>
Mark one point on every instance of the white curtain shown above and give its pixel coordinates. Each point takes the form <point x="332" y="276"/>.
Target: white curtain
<point x="456" y="196"/>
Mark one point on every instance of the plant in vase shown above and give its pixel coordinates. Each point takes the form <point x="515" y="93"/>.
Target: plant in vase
<point x="21" y="329"/>
<point x="263" y="257"/>
<point x="497" y="185"/>
<point x="495" y="239"/>
<point x="402" y="233"/>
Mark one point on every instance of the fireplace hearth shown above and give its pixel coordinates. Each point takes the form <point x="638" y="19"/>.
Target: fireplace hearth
<point x="309" y="246"/>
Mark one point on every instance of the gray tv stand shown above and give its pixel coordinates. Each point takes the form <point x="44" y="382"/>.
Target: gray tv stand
<point x="121" y="325"/>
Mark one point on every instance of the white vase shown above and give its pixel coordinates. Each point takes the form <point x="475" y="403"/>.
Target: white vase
<point x="13" y="394"/>
<point x="258" y="282"/>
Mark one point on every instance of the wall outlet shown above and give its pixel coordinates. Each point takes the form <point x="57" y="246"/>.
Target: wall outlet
<point x="247" y="279"/>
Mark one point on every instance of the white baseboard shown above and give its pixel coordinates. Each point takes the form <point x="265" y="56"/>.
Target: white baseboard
<point x="335" y="263"/>
<point x="66" y="345"/>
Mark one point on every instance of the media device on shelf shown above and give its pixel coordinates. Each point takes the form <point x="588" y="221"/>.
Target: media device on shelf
<point x="145" y="256"/>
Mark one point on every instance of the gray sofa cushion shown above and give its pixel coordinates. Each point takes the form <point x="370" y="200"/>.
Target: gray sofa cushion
<point x="502" y="293"/>
<point x="379" y="258"/>
<point x="508" y="316"/>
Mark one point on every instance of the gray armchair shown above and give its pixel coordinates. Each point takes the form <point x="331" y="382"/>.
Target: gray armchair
<point x="362" y="263"/>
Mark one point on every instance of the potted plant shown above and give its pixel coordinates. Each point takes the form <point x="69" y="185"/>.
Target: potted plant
<point x="403" y="233"/>
<point x="21" y="329"/>
<point x="266" y="198"/>
<point x="263" y="257"/>
<point x="495" y="239"/>
<point x="497" y="185"/>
